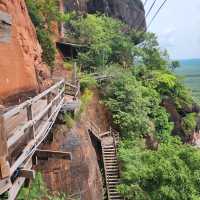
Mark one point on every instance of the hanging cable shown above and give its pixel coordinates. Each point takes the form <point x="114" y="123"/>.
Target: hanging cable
<point x="149" y="11"/>
<point x="153" y="18"/>
<point x="153" y="4"/>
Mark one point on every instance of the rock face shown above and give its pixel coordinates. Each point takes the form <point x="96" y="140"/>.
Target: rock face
<point x="80" y="177"/>
<point x="22" y="71"/>
<point x="129" y="11"/>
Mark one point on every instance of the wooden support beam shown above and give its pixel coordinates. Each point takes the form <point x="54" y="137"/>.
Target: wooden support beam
<point x="49" y="99"/>
<point x="27" y="173"/>
<point x="30" y="118"/>
<point x="4" y="165"/>
<point x="34" y="160"/>
<point x="45" y="154"/>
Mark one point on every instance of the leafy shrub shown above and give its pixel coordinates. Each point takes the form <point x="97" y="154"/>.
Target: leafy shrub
<point x="87" y="82"/>
<point x="48" y="54"/>
<point x="68" y="66"/>
<point x="38" y="191"/>
<point x="69" y="120"/>
<point x="86" y="97"/>
<point x="106" y="41"/>
<point x="171" y="173"/>
<point x="43" y="13"/>
<point x="189" y="123"/>
<point x="136" y="109"/>
<point x="85" y="100"/>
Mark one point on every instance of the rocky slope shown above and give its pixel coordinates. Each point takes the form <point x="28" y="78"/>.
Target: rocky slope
<point x="22" y="70"/>
<point x="129" y="11"/>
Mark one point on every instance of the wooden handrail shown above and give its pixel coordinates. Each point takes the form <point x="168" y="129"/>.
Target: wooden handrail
<point x="115" y="144"/>
<point x="33" y="144"/>
<point x="36" y="124"/>
<point x="22" y="106"/>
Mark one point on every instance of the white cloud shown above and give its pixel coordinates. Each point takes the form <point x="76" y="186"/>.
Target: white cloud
<point x="178" y="28"/>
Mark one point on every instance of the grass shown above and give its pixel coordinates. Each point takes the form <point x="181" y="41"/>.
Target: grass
<point x="68" y="65"/>
<point x="69" y="121"/>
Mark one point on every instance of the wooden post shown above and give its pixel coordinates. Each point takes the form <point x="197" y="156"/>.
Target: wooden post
<point x="48" y="102"/>
<point x="4" y="165"/>
<point x="74" y="78"/>
<point x="30" y="117"/>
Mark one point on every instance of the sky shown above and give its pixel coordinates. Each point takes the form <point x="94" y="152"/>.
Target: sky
<point x="177" y="27"/>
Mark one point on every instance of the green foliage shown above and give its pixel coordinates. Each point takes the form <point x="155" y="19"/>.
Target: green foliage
<point x="87" y="81"/>
<point x="85" y="100"/>
<point x="69" y="120"/>
<point x="68" y="66"/>
<point x="107" y="43"/>
<point x="86" y="97"/>
<point x="135" y="108"/>
<point x="43" y="13"/>
<point x="48" y="54"/>
<point x="170" y="173"/>
<point x="38" y="191"/>
<point x="175" y="64"/>
<point x="189" y="123"/>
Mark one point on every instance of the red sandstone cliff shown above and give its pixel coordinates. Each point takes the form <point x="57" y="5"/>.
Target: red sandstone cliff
<point x="21" y="67"/>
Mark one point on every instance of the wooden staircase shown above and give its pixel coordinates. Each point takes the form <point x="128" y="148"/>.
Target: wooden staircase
<point x="109" y="141"/>
<point x="111" y="166"/>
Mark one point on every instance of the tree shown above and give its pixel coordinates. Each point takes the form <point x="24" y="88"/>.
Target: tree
<point x="43" y="13"/>
<point x="174" y="65"/>
<point x="170" y="173"/>
<point x="136" y="109"/>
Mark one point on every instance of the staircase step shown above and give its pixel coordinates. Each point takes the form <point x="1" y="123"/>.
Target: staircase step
<point x="113" y="176"/>
<point x="113" y="158"/>
<point x="111" y="167"/>
<point x="113" y="179"/>
<point x="114" y="193"/>
<point x="108" y="146"/>
<point x="109" y="151"/>
<point x="116" y="197"/>
<point x="109" y="155"/>
<point x="111" y="182"/>
<point x="111" y="164"/>
<point x="111" y="161"/>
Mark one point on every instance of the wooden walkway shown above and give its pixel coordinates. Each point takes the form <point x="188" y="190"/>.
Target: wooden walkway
<point x="109" y="141"/>
<point x="24" y="127"/>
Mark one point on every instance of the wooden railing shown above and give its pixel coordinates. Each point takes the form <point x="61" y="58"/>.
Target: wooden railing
<point x="72" y="89"/>
<point x="24" y="128"/>
<point x="94" y="129"/>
